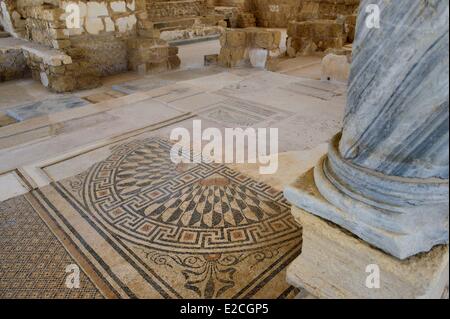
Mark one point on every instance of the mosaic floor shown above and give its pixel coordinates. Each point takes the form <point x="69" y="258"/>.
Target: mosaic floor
<point x="153" y="229"/>
<point x="138" y="225"/>
<point x="32" y="261"/>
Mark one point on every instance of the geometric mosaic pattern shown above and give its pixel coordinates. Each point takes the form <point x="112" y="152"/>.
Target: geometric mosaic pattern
<point x="32" y="260"/>
<point x="241" y="113"/>
<point x="204" y="229"/>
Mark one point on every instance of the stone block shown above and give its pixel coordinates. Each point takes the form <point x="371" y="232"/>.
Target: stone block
<point x="322" y="24"/>
<point x="251" y="47"/>
<point x="335" y="68"/>
<point x="97" y="9"/>
<point x="264" y="40"/>
<point x="275" y="14"/>
<point x="335" y="264"/>
<point x="222" y="24"/>
<point x="60" y="84"/>
<point x="118" y="6"/>
<point x="13" y="64"/>
<point x="60" y="44"/>
<point x="232" y="57"/>
<point x="87" y="81"/>
<point x="320" y="35"/>
<point x="151" y="55"/>
<point x="246" y="20"/>
<point x="131" y="5"/>
<point x="236" y="38"/>
<point x="58" y="34"/>
<point x="125" y="24"/>
<point x="149" y="33"/>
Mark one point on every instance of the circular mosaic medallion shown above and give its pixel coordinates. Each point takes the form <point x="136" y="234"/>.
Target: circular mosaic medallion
<point x="140" y="195"/>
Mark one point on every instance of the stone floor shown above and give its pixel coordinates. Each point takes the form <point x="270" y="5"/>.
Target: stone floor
<point x="33" y="262"/>
<point x="98" y="175"/>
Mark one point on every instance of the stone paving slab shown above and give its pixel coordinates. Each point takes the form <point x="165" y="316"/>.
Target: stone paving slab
<point x="44" y="107"/>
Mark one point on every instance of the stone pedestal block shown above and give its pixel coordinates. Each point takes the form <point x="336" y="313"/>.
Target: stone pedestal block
<point x="334" y="263"/>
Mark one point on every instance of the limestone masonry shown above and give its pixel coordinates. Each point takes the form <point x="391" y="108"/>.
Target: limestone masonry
<point x="113" y="37"/>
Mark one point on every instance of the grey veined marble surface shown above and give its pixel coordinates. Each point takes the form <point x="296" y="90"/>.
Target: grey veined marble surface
<point x="397" y="117"/>
<point x="385" y="178"/>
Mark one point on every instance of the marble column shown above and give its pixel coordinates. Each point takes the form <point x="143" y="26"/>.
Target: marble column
<point x="385" y="177"/>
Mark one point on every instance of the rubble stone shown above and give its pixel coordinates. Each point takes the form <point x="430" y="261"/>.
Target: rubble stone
<point x="12" y="63"/>
<point x="251" y="46"/>
<point x="321" y="25"/>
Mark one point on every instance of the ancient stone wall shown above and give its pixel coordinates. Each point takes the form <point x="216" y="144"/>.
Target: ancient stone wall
<point x="103" y="42"/>
<point x="12" y="62"/>
<point x="322" y="25"/>
<point x="160" y="9"/>
<point x="326" y="9"/>
<point x="58" y="71"/>
<point x="11" y="19"/>
<point x="249" y="47"/>
<point x="106" y="54"/>
<point x="183" y="19"/>
<point x="243" y="4"/>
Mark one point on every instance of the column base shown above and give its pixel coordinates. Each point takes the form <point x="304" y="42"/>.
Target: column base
<point x="403" y="217"/>
<point x="333" y="261"/>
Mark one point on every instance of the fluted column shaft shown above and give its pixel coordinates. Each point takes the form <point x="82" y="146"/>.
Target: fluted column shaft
<point x="397" y="116"/>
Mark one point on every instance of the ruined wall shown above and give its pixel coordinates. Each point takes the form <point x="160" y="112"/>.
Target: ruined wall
<point x="183" y="19"/>
<point x="244" y="4"/>
<point x="161" y="9"/>
<point x="253" y="47"/>
<point x="11" y="19"/>
<point x="321" y="25"/>
<point x="103" y="42"/>
<point x="326" y="9"/>
<point x="102" y="37"/>
<point x="12" y="62"/>
<point x="274" y="13"/>
<point x="267" y="13"/>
